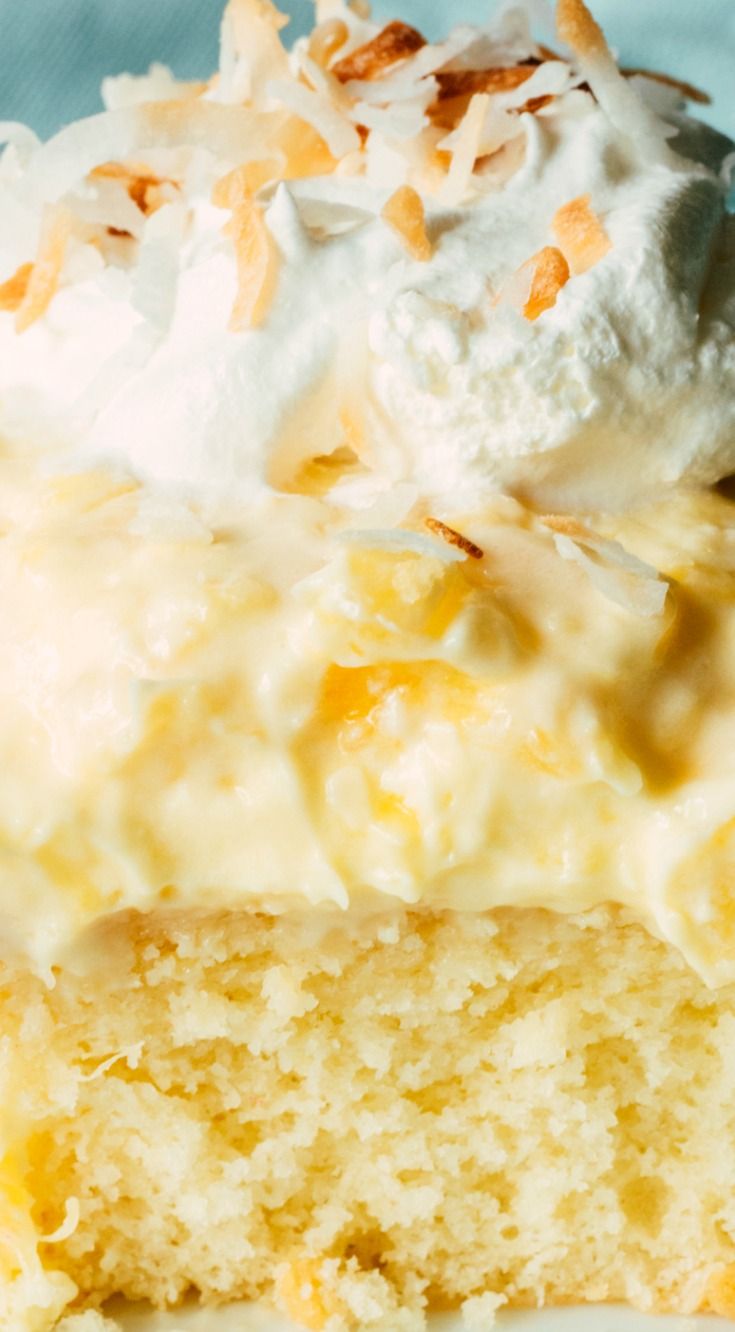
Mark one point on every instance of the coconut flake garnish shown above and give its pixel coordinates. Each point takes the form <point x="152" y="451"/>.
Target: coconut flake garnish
<point x="580" y="234"/>
<point x="415" y="75"/>
<point x="68" y="1225"/>
<point x="335" y="129"/>
<point x="45" y="273"/>
<point x="12" y="292"/>
<point x="255" y="257"/>
<point x="326" y="40"/>
<point x="157" y="271"/>
<point x="229" y="132"/>
<point x="107" y="203"/>
<point x="251" y="52"/>
<point x="550" y="79"/>
<point x="394" y="43"/>
<point x="147" y="190"/>
<point x="130" y="1053"/>
<point x="404" y="212"/>
<point x="466" y="82"/>
<point x="688" y="91"/>
<point x="402" y="539"/>
<point x="402" y="122"/>
<point x="549" y="272"/>
<point x="618" y="99"/>
<point x="618" y="575"/>
<point x="455" y="538"/>
<point x="465" y="149"/>
<point x="158" y="85"/>
<point x="511" y="91"/>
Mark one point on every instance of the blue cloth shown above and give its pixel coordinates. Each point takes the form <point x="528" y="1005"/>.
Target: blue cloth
<point x="54" y="53"/>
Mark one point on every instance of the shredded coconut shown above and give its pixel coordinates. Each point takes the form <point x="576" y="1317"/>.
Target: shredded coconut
<point x="339" y="135"/>
<point x="620" y="576"/>
<point x="68" y="1225"/>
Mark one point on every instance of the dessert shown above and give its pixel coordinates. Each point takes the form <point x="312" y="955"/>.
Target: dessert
<point x="368" y="687"/>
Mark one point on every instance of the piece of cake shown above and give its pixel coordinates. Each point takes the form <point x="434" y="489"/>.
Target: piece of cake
<point x="367" y="692"/>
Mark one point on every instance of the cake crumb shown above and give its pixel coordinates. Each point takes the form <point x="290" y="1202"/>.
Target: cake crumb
<point x="89" y="1321"/>
<point x="478" y="1312"/>
<point x="720" y="1292"/>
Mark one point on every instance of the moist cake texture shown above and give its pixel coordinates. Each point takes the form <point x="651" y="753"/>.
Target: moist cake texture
<point x="367" y="694"/>
<point x="519" y="1105"/>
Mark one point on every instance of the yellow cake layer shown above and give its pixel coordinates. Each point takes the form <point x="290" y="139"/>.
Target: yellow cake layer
<point x="354" y="1123"/>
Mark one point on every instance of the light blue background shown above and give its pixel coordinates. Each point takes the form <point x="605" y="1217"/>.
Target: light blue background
<point x="53" y="53"/>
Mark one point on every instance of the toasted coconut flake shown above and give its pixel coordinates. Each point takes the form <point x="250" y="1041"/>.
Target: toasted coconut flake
<point x="255" y="255"/>
<point x="147" y="190"/>
<point x="158" y="85"/>
<point x="581" y="235"/>
<point x="550" y="78"/>
<point x="567" y="526"/>
<point x="305" y="152"/>
<point x="466" y="82"/>
<point x="12" y="292"/>
<point x="394" y="43"/>
<point x="230" y="132"/>
<point x="458" y="86"/>
<point x="46" y="271"/>
<point x="617" y="97"/>
<point x="338" y="134"/>
<point x="549" y="272"/>
<point x="156" y="276"/>
<point x="109" y="205"/>
<point x="247" y="13"/>
<point x="402" y="122"/>
<point x="535" y="104"/>
<point x="412" y="77"/>
<point x="454" y="538"/>
<point x="327" y="39"/>
<point x="244" y="181"/>
<point x="579" y="29"/>
<point x="253" y="28"/>
<point x="404" y="212"/>
<point x="403" y="539"/>
<point x="618" y="575"/>
<point x="465" y="149"/>
<point x="687" y="90"/>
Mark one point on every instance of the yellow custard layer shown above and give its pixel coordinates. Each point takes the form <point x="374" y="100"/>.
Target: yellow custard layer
<point x="287" y="709"/>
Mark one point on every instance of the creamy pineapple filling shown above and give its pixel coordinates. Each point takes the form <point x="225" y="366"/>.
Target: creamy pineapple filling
<point x="545" y="721"/>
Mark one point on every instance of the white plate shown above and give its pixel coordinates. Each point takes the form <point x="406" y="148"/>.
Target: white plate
<point x="600" y="1318"/>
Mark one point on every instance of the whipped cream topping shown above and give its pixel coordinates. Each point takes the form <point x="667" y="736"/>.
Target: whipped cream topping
<point x="627" y="384"/>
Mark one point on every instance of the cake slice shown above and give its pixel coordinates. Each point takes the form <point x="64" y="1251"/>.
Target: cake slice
<point x="367" y="691"/>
